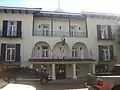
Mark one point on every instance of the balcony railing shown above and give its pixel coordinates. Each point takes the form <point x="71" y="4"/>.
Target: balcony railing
<point x="55" y="57"/>
<point x="60" y="33"/>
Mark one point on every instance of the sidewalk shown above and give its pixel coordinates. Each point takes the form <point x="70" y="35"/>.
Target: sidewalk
<point x="81" y="81"/>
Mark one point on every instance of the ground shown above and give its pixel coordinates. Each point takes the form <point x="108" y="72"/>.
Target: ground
<point x="59" y="85"/>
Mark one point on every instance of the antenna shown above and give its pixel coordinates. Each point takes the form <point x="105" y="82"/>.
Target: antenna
<point x="59" y="4"/>
<point x="59" y="9"/>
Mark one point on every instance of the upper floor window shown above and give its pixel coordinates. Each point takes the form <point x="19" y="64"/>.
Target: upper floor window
<point x="104" y="32"/>
<point x="45" y="29"/>
<point x="106" y="52"/>
<point x="11" y="28"/>
<point x="44" y="51"/>
<point x="73" y="30"/>
<point x="10" y="52"/>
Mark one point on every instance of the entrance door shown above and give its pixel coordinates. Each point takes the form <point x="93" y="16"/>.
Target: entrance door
<point x="60" y="71"/>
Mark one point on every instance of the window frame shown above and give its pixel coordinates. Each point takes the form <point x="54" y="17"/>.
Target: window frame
<point x="45" y="52"/>
<point x="11" y="53"/>
<point x="104" y="31"/>
<point x="106" y="55"/>
<point x="12" y="32"/>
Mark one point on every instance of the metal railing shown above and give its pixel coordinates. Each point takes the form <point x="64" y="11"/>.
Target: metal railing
<point x="60" y="33"/>
<point x="60" y="57"/>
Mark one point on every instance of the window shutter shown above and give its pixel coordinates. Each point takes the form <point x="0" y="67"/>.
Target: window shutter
<point x="99" y="32"/>
<point x="111" y="50"/>
<point x="3" y="52"/>
<point x="18" y="58"/>
<point x="4" y="30"/>
<point x="19" y="26"/>
<point x="109" y="32"/>
<point x="100" y="50"/>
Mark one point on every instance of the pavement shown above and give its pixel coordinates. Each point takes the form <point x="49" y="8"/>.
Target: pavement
<point x="66" y="84"/>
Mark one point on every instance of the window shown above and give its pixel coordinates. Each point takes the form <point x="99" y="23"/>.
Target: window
<point x="104" y="31"/>
<point x="10" y="52"/>
<point x="45" y="29"/>
<point x="72" y="30"/>
<point x="74" y="52"/>
<point x="106" y="54"/>
<point x="12" y="28"/>
<point x="44" y="51"/>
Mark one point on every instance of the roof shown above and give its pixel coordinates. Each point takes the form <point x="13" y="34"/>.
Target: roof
<point x="9" y="8"/>
<point x="99" y="14"/>
<point x="60" y="14"/>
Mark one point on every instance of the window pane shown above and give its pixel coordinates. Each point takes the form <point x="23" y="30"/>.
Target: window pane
<point x="72" y="53"/>
<point x="14" y="31"/>
<point x="46" y="53"/>
<point x="8" y="54"/>
<point x="11" y="45"/>
<point x="43" y="54"/>
<point x="13" y="55"/>
<point x="75" y="53"/>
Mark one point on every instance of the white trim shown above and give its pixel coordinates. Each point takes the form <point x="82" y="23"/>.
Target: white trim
<point x="105" y="55"/>
<point x="10" y="54"/>
<point x="12" y="26"/>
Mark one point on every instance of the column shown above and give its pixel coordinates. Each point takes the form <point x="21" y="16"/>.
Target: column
<point x="31" y="65"/>
<point x="74" y="71"/>
<point x="93" y="68"/>
<point x="53" y="72"/>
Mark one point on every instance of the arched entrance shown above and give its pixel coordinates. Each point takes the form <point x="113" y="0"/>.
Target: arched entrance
<point x="61" y="51"/>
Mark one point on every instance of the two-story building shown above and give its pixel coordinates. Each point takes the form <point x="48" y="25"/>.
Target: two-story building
<point x="65" y="45"/>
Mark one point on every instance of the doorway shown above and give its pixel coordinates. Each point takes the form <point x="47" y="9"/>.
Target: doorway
<point x="60" y="70"/>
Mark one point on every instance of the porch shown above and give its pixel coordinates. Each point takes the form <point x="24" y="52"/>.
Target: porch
<point x="64" y="68"/>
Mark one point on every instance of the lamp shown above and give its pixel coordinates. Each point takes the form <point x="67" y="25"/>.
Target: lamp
<point x="60" y="27"/>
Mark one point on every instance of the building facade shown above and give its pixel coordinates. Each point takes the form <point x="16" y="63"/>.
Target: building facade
<point x="65" y="45"/>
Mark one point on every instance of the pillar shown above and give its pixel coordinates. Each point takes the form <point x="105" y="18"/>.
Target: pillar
<point x="31" y="66"/>
<point x="53" y="72"/>
<point x="93" y="68"/>
<point x="74" y="71"/>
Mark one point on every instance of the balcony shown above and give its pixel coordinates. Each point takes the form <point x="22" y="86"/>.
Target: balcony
<point x="60" y="34"/>
<point x="59" y="59"/>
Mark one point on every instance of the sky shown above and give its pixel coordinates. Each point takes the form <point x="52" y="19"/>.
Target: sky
<point x="75" y="6"/>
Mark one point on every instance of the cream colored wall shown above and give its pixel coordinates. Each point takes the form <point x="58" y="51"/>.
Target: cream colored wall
<point x="38" y="53"/>
<point x="92" y="33"/>
<point x="39" y="21"/>
<point x="56" y="50"/>
<point x="25" y="41"/>
<point x="79" y="23"/>
<point x="57" y="22"/>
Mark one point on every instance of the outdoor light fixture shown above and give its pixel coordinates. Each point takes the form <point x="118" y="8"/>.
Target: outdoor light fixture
<point x="38" y="48"/>
<point x="60" y="27"/>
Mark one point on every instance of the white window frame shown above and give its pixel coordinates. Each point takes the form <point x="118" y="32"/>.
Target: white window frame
<point x="11" y="49"/>
<point x="104" y="31"/>
<point x="14" y="28"/>
<point x="106" y="55"/>
<point x="73" y="30"/>
<point x="45" y="30"/>
<point x="73" y="53"/>
<point x="45" y="52"/>
<point x="81" y="51"/>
